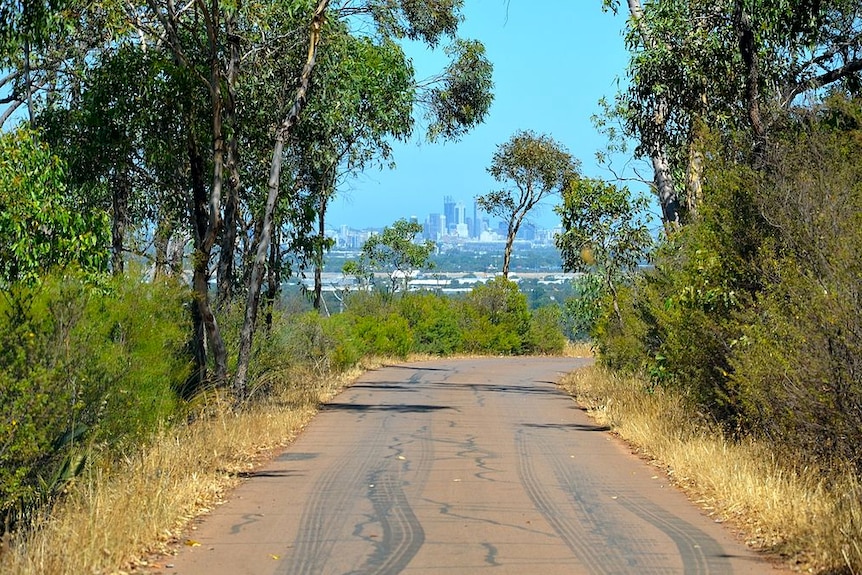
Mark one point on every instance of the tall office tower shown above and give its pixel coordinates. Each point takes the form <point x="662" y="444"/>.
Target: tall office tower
<point x="435" y="227"/>
<point x="476" y="230"/>
<point x="460" y="214"/>
<point x="449" y="210"/>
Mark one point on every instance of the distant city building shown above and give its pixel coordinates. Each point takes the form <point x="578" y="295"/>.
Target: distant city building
<point x="453" y="228"/>
<point x="527" y="232"/>
<point x="449" y="209"/>
<point x="435" y="227"/>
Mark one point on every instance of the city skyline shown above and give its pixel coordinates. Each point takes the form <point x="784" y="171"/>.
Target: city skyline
<point x="437" y="227"/>
<point x="534" y="90"/>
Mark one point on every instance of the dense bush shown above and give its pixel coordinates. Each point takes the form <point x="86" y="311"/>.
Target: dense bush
<point x="82" y="367"/>
<point x="752" y="310"/>
<point x="434" y="322"/>
<point x="495" y="319"/>
<point x="546" y="331"/>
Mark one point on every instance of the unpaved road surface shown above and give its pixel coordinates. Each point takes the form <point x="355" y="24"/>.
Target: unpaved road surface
<point x="460" y="466"/>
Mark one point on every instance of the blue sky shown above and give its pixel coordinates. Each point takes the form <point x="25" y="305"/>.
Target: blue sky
<point x="553" y="61"/>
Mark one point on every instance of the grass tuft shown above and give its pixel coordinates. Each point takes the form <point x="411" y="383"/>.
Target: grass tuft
<point x="812" y="519"/>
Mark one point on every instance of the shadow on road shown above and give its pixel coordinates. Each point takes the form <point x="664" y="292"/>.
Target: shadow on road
<point x="397" y="408"/>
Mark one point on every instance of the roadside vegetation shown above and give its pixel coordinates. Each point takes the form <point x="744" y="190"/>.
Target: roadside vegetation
<point x="734" y="359"/>
<point x="165" y="168"/>
<point x="773" y="501"/>
<point x="106" y="451"/>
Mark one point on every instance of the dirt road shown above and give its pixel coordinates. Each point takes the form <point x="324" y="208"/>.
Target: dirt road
<point x="466" y="466"/>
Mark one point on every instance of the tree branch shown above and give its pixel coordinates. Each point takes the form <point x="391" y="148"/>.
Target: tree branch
<point x="824" y="79"/>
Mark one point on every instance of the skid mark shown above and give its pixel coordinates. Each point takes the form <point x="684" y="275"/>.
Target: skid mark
<point x="595" y="558"/>
<point x="403" y="535"/>
<point x="699" y="552"/>
<point x="323" y="517"/>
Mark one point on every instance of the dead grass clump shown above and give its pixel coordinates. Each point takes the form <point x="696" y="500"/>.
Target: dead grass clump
<point x="117" y="514"/>
<point x="813" y="519"/>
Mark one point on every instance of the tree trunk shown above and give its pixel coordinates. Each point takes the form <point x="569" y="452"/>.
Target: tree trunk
<point x="273" y="279"/>
<point x="28" y="82"/>
<point x="748" y="51"/>
<point x="226" y="266"/>
<point x="209" y="329"/>
<point x="122" y="190"/>
<point x="226" y="272"/>
<point x="694" y="179"/>
<point x="663" y="179"/>
<point x="665" y="189"/>
<point x="240" y="385"/>
<point x="319" y="249"/>
<point x="161" y="239"/>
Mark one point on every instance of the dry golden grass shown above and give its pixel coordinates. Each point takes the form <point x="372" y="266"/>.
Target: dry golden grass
<point x="578" y="349"/>
<point x="116" y="516"/>
<point x="791" y="510"/>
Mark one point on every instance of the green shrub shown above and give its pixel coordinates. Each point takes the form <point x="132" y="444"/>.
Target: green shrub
<point x="433" y="320"/>
<point x="546" y="331"/>
<point x="323" y="344"/>
<point x="496" y="319"/>
<point x="752" y="310"/>
<point x="388" y="335"/>
<point x="798" y="368"/>
<point x="583" y="310"/>
<point x="82" y="366"/>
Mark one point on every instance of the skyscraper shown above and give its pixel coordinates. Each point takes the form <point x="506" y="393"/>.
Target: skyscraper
<point x="449" y="210"/>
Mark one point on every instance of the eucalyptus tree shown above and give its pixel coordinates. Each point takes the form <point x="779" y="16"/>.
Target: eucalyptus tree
<point x="40" y="225"/>
<point x="120" y="135"/>
<point x="395" y="252"/>
<point x="533" y="167"/>
<point x="335" y="142"/>
<point x="464" y="108"/>
<point x="241" y="74"/>
<point x="44" y="44"/>
<point x="604" y="233"/>
<point x="731" y="65"/>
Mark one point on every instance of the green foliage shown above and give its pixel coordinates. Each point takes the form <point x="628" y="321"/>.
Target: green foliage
<point x="40" y="228"/>
<point x="82" y="368"/>
<point x="325" y="344"/>
<point x="533" y="168"/>
<point x="606" y="237"/>
<point x="386" y="335"/>
<point x="496" y="319"/>
<point x="465" y="96"/>
<point x="546" y="331"/>
<point x="751" y="311"/>
<point x="395" y="252"/>
<point x="798" y="369"/>
<point x="434" y="322"/>
<point x="584" y="308"/>
<point x="604" y="228"/>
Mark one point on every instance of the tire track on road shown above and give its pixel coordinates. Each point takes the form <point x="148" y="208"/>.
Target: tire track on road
<point x="323" y="515"/>
<point x="403" y="534"/>
<point x="595" y="560"/>
<point x="701" y="555"/>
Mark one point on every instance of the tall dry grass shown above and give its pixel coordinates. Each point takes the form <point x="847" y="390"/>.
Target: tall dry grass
<point x="118" y="514"/>
<point x="813" y="520"/>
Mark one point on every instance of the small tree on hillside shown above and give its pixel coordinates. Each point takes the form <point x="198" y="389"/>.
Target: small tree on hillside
<point x="536" y="167"/>
<point x="395" y="252"/>
<point x="604" y="232"/>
